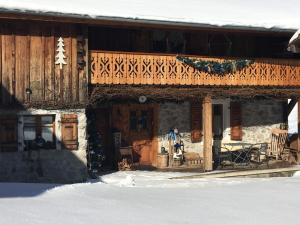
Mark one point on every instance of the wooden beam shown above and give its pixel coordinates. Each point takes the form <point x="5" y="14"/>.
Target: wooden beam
<point x="126" y="93"/>
<point x="207" y="133"/>
<point x="298" y="139"/>
<point x="298" y="119"/>
<point x="291" y="105"/>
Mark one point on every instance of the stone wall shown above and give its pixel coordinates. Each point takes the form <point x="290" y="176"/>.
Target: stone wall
<point x="258" y="119"/>
<point x="53" y="166"/>
<point x="176" y="115"/>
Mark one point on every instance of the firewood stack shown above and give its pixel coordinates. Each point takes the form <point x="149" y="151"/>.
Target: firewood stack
<point x="124" y="165"/>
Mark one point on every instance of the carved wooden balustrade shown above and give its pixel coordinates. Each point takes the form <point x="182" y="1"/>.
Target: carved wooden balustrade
<point x="136" y="68"/>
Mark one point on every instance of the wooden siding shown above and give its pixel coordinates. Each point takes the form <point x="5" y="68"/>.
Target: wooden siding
<point x="27" y="60"/>
<point x="155" y="69"/>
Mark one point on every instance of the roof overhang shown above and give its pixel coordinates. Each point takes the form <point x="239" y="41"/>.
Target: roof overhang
<point x="129" y="22"/>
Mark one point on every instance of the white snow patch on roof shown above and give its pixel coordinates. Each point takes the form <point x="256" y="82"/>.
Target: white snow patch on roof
<point x="295" y="37"/>
<point x="294" y="43"/>
<point x="256" y="13"/>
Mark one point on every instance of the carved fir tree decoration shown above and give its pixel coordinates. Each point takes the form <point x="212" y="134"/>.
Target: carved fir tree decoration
<point x="60" y="57"/>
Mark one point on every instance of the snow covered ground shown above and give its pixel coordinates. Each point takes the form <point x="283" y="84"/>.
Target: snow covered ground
<point x="151" y="198"/>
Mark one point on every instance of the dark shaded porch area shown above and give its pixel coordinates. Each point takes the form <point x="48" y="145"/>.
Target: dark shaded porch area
<point x="206" y="120"/>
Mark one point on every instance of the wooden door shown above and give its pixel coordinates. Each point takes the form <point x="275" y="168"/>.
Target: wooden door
<point x="136" y="124"/>
<point x="141" y="132"/>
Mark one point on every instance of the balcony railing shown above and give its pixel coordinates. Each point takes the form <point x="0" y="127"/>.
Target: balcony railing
<point x="155" y="69"/>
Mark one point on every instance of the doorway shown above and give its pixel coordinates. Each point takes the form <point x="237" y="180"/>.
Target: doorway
<point x="136" y="123"/>
<point x="217" y="125"/>
<point x="217" y="130"/>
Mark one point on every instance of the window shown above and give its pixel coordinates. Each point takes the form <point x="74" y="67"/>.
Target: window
<point x="39" y="132"/>
<point x="139" y="120"/>
<point x="8" y="134"/>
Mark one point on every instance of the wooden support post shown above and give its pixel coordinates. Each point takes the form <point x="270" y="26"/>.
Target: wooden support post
<point x="207" y="133"/>
<point x="298" y="142"/>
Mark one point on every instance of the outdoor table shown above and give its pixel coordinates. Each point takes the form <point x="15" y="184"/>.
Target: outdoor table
<point x="240" y="154"/>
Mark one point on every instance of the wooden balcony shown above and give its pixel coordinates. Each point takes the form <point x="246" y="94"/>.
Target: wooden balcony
<point x="155" y="69"/>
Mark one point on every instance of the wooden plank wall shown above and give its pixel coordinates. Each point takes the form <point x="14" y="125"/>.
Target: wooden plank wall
<point x="27" y="60"/>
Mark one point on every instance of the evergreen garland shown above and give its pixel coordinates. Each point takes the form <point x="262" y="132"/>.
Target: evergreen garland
<point x="212" y="67"/>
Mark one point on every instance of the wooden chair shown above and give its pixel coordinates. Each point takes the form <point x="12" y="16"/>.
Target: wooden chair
<point x="278" y="143"/>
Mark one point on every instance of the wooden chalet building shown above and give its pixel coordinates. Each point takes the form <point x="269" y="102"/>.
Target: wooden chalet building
<point x="63" y="69"/>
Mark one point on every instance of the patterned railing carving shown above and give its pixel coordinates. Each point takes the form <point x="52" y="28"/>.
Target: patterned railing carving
<point x="136" y="68"/>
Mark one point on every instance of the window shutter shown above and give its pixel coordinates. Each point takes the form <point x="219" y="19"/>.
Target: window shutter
<point x="69" y="131"/>
<point x="236" y="121"/>
<point x="8" y="134"/>
<point x="196" y="121"/>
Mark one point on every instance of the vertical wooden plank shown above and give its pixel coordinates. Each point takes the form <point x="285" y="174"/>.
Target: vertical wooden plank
<point x="8" y="64"/>
<point x="36" y="63"/>
<point x="178" y="72"/>
<point x="75" y="81"/>
<point x="13" y="66"/>
<point x="168" y="79"/>
<point x="297" y="63"/>
<point x="277" y="66"/>
<point x="57" y="94"/>
<point x="156" y="69"/>
<point x="110" y="76"/>
<point x="58" y="73"/>
<point x="164" y="79"/>
<point x="192" y="76"/>
<point x="289" y="80"/>
<point x="131" y="68"/>
<point x="49" y="64"/>
<point x="83" y="74"/>
<point x="150" y="80"/>
<point x="43" y="64"/>
<point x="298" y="139"/>
<point x="188" y="79"/>
<point x="144" y="69"/>
<point x="22" y="58"/>
<point x="99" y="75"/>
<point x="94" y="68"/>
<point x="123" y="68"/>
<point x="27" y="77"/>
<point x="67" y="79"/>
<point x="116" y="68"/>
<point x="207" y="131"/>
<point x="137" y="79"/>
